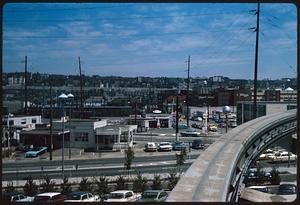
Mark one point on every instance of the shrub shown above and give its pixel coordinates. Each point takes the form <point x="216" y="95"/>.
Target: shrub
<point x="66" y="186"/>
<point x="30" y="188"/>
<point x="120" y="183"/>
<point x="85" y="185"/>
<point x="139" y="183"/>
<point x="47" y="185"/>
<point x="156" y="182"/>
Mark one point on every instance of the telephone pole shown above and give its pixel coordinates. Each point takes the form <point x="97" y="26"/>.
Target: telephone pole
<point x="25" y="108"/>
<point x="51" y="137"/>
<point x="187" y="95"/>
<point x="81" y="91"/>
<point x="256" y="63"/>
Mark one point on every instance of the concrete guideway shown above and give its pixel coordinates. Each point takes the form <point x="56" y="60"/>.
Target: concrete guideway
<point x="218" y="171"/>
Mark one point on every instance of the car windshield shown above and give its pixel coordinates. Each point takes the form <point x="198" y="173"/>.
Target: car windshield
<point x="149" y="195"/>
<point x="116" y="196"/>
<point x="74" y="197"/>
<point x="163" y="144"/>
<point x="41" y="198"/>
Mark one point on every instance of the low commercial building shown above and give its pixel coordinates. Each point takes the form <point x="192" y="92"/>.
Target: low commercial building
<point x="42" y="137"/>
<point x="115" y="137"/>
<point x="92" y="134"/>
<point x="82" y="131"/>
<point x="14" y="124"/>
<point x="245" y="109"/>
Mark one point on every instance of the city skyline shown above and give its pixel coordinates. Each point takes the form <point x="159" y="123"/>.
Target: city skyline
<point x="152" y="40"/>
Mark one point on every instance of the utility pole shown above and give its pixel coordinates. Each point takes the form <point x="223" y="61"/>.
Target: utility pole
<point x="81" y="91"/>
<point x="51" y="137"/>
<point x="25" y="108"/>
<point x="187" y="95"/>
<point x="177" y="116"/>
<point x="256" y="63"/>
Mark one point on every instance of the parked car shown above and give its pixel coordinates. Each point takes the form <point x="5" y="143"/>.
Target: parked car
<point x="123" y="196"/>
<point x="197" y="144"/>
<point x="264" y="189"/>
<point x="178" y="145"/>
<point x="197" y="126"/>
<point x="16" y="197"/>
<point x="190" y="133"/>
<point x="286" y="189"/>
<point x="150" y="147"/>
<point x="24" y="148"/>
<point x="283" y="157"/>
<point x="153" y="196"/>
<point x="36" y="152"/>
<point x="266" y="154"/>
<point x="82" y="196"/>
<point x="164" y="146"/>
<point x="50" y="197"/>
<point x="213" y="128"/>
<point x="182" y="126"/>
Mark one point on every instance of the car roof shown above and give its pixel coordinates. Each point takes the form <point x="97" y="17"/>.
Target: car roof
<point x="120" y="191"/>
<point x="49" y="194"/>
<point x="12" y="194"/>
<point x="79" y="192"/>
<point x="156" y="191"/>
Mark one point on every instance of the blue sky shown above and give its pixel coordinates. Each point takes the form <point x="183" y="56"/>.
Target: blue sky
<point x="150" y="39"/>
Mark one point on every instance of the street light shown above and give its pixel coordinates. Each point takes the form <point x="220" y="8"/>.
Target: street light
<point x="63" y="97"/>
<point x="70" y="96"/>
<point x="226" y="110"/>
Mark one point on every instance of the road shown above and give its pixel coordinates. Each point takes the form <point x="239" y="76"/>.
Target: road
<point x="90" y="167"/>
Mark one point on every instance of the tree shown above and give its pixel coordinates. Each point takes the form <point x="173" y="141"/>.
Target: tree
<point x="120" y="183"/>
<point x="10" y="187"/>
<point x="129" y="156"/>
<point x="180" y="157"/>
<point x="66" y="186"/>
<point x="47" y="185"/>
<point x="275" y="178"/>
<point x="84" y="185"/>
<point x="102" y="187"/>
<point x="30" y="188"/>
<point x="139" y="183"/>
<point x="172" y="179"/>
<point x="156" y="182"/>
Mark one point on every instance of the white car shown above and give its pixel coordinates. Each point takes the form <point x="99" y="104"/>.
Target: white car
<point x="164" y="146"/>
<point x="49" y="197"/>
<point x="123" y="196"/>
<point x="266" y="155"/>
<point x="82" y="196"/>
<point x="150" y="147"/>
<point x="16" y="197"/>
<point x="283" y="157"/>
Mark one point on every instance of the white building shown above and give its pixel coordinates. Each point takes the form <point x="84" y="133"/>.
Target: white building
<point x="14" y="124"/>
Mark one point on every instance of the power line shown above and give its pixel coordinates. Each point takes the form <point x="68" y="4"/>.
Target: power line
<point x="65" y="9"/>
<point x="118" y="18"/>
<point x="116" y="34"/>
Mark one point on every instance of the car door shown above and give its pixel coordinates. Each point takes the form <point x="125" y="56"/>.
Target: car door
<point x="162" y="196"/>
<point x="128" y="196"/>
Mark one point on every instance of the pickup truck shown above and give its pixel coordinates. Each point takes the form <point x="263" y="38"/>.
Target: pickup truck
<point x="123" y="196"/>
<point x="283" y="157"/>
